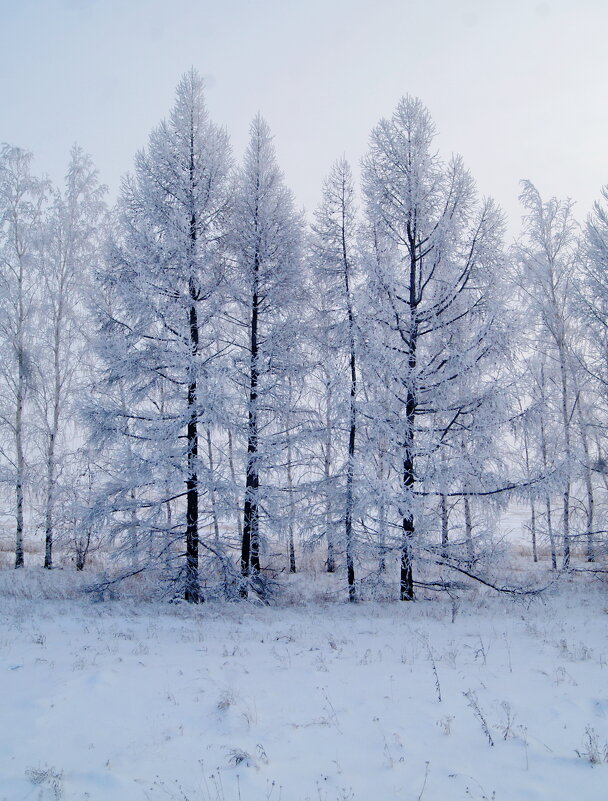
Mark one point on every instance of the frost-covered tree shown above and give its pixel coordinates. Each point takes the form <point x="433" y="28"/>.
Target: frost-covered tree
<point x="549" y="264"/>
<point x="266" y="292"/>
<point x="69" y="249"/>
<point x="592" y="310"/>
<point x="161" y="294"/>
<point x="21" y="198"/>
<point x="334" y="253"/>
<point x="430" y="297"/>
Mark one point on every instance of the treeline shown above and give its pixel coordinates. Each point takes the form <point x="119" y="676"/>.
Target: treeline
<point x="205" y="387"/>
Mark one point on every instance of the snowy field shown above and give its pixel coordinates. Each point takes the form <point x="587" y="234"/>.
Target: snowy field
<point x="485" y="698"/>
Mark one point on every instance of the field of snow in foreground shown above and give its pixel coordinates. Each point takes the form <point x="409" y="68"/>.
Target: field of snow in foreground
<point x="489" y="699"/>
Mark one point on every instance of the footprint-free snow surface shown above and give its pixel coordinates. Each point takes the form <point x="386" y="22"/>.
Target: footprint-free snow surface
<point x="485" y="699"/>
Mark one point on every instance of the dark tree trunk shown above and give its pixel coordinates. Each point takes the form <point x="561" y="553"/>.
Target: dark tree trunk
<point x="407" y="577"/>
<point x="406" y="582"/>
<point x="250" y="551"/>
<point x="533" y="530"/>
<point x="192" y="591"/>
<point x="443" y="504"/>
<point x="292" y="554"/>
<point x="50" y="493"/>
<point x="348" y="517"/>
<point x="19" y="560"/>
<point x="352" y="432"/>
<point x="468" y="532"/>
<point x="329" y="531"/>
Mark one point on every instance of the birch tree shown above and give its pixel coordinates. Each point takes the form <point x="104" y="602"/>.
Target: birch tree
<point x="69" y="250"/>
<point x="21" y="198"/>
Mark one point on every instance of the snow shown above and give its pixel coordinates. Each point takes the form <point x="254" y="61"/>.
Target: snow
<point x="326" y="702"/>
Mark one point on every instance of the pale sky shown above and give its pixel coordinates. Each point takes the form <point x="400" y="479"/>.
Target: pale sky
<point x="518" y="87"/>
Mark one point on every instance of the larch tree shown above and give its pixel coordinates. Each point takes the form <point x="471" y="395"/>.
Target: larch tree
<point x="266" y="293"/>
<point x="430" y="298"/>
<point x="162" y="291"/>
<point x="334" y="254"/>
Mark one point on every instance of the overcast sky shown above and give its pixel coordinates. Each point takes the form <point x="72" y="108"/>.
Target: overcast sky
<point x="519" y="88"/>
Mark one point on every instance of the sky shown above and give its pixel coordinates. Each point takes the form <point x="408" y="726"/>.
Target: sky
<point x="519" y="88"/>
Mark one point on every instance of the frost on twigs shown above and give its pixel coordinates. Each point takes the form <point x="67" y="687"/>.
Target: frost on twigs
<point x="48" y="780"/>
<point x="593" y="750"/>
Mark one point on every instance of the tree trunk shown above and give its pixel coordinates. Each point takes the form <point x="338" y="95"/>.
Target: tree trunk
<point x="543" y="447"/>
<point x="192" y="591"/>
<point x="20" y="462"/>
<point x="550" y="533"/>
<point x="406" y="582"/>
<point x="588" y="487"/>
<point x="443" y="509"/>
<point x="49" y="504"/>
<point x="20" y="402"/>
<point x="352" y="411"/>
<point x="329" y="532"/>
<point x="237" y="512"/>
<point x="212" y="498"/>
<point x="533" y="530"/>
<point x="348" y="517"/>
<point x="568" y="454"/>
<point x="381" y="509"/>
<point x="292" y="510"/>
<point x="468" y="531"/>
<point x="532" y="505"/>
<point x="250" y="551"/>
<point x="133" y="531"/>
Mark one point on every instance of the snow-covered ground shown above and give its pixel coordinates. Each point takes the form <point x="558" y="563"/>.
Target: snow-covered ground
<point x="487" y="698"/>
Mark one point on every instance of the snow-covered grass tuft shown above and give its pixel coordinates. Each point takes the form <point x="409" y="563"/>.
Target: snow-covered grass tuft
<point x="48" y="780"/>
<point x="594" y="750"/>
